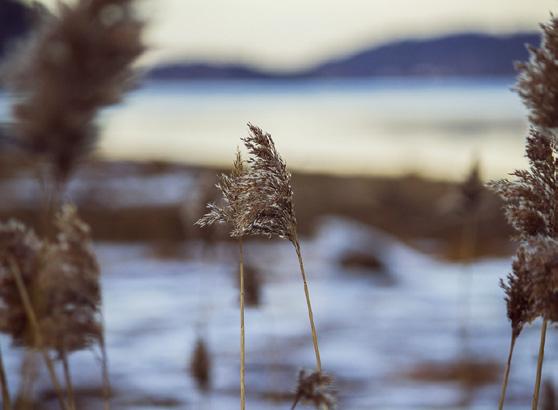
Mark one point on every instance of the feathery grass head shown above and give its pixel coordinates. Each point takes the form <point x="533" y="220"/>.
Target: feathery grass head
<point x="540" y="260"/>
<point x="62" y="279"/>
<point x="21" y="249"/>
<point x="315" y="388"/>
<point x="78" y="62"/>
<point x="530" y="198"/>
<point x="518" y="291"/>
<point x="269" y="198"/>
<point x="70" y="296"/>
<point x="538" y="78"/>
<point x="231" y="187"/>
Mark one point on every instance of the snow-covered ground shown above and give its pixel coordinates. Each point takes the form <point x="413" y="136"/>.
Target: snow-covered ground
<point x="372" y="335"/>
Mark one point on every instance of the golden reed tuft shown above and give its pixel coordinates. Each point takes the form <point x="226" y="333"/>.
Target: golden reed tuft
<point x="231" y="188"/>
<point x="268" y="199"/>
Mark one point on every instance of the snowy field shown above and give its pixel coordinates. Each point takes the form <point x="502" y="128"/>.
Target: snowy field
<point x="374" y="334"/>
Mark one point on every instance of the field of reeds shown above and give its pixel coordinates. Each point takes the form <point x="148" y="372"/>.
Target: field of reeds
<point x="144" y="285"/>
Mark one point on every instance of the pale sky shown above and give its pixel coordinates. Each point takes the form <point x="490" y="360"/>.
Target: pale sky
<point x="289" y="34"/>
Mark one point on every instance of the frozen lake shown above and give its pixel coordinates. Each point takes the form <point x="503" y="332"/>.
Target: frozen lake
<point x="389" y="126"/>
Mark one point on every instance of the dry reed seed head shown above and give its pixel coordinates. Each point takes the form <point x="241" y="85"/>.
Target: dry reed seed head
<point x="20" y="246"/>
<point x="315" y="388"/>
<point x="472" y="189"/>
<point x="268" y="196"/>
<point x="78" y="62"/>
<point x="69" y="304"/>
<point x="529" y="198"/>
<point x="231" y="187"/>
<point x="519" y="293"/>
<point x="538" y="78"/>
<point x="200" y="365"/>
<point x="540" y="261"/>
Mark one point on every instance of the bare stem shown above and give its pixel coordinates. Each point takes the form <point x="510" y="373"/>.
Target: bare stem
<point x="507" y="373"/>
<point x="36" y="332"/>
<point x="104" y="364"/>
<point x="535" y="402"/>
<point x="29" y="375"/>
<point x="7" y="404"/>
<point x="309" y="305"/>
<point x="68" y="379"/>
<point x="242" y="337"/>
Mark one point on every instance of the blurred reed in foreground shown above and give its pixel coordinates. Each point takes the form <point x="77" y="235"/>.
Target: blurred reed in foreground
<point x="79" y="61"/>
<point x="530" y="203"/>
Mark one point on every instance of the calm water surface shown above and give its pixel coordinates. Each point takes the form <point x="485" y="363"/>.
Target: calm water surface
<point x="391" y="126"/>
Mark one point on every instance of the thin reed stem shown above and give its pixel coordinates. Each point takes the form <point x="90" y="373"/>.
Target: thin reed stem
<point x="29" y="375"/>
<point x="242" y="336"/>
<point x="30" y="312"/>
<point x="68" y="380"/>
<point x="309" y="305"/>
<point x="104" y="365"/>
<point x="507" y="373"/>
<point x="7" y="404"/>
<point x="535" y="403"/>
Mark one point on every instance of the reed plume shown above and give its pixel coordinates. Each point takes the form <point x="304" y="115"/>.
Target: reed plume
<point x="538" y="78"/>
<point x="530" y="208"/>
<point x="268" y="210"/>
<point x="79" y="61"/>
<point x="530" y="201"/>
<point x="20" y="264"/>
<point x="231" y="187"/>
<point x="69" y="303"/>
<point x="50" y="290"/>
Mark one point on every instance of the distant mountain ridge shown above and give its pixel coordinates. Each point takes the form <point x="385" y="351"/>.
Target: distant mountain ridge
<point x="458" y="55"/>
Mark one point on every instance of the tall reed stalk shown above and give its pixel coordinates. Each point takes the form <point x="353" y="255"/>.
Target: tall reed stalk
<point x="105" y="368"/>
<point x="242" y="335"/>
<point x="308" y="305"/>
<point x="268" y="210"/>
<point x="231" y="187"/>
<point x="540" y="359"/>
<point x="506" y="374"/>
<point x="68" y="380"/>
